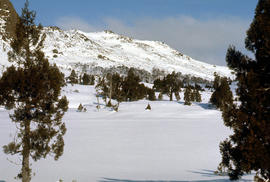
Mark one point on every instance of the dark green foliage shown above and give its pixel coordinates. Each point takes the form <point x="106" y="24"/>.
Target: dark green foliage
<point x="169" y="85"/>
<point x="32" y="88"/>
<point x="132" y="89"/>
<point x="121" y="89"/>
<point x="248" y="148"/>
<point x="158" y="85"/>
<point x="88" y="79"/>
<point x="192" y="95"/>
<point x="187" y="96"/>
<point x="198" y="97"/>
<point x="151" y="94"/>
<point x="222" y="96"/>
<point x="73" y="77"/>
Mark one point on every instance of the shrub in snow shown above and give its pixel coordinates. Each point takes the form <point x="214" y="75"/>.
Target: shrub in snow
<point x="148" y="107"/>
<point x="80" y="108"/>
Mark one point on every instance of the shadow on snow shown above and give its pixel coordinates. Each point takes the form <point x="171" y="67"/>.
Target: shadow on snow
<point x="203" y="172"/>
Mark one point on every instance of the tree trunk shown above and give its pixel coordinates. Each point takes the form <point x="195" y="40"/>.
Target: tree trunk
<point x="110" y="89"/>
<point x="26" y="171"/>
<point x="171" y="95"/>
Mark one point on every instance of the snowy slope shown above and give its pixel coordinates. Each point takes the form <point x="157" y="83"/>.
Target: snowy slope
<point x="107" y="49"/>
<point x="68" y="49"/>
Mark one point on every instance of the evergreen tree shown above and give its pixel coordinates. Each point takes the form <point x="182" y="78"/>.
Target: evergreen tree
<point x="187" y="96"/>
<point x="151" y="94"/>
<point x="80" y="108"/>
<point x="222" y="96"/>
<point x="198" y="97"/>
<point x="92" y="80"/>
<point x="169" y="85"/>
<point x="73" y="77"/>
<point x="158" y="85"/>
<point x="192" y="95"/>
<point x="132" y="90"/>
<point x="248" y="148"/>
<point x="117" y="82"/>
<point x="32" y="88"/>
<point x="85" y="79"/>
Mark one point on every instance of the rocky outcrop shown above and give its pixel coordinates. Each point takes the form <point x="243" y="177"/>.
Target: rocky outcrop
<point x="8" y="19"/>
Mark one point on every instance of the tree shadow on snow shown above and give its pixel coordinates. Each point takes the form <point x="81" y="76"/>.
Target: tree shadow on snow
<point x="207" y="106"/>
<point x="203" y="172"/>
<point x="125" y="180"/>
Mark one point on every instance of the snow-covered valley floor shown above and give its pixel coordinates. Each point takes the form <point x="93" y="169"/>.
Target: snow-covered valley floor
<point x="172" y="142"/>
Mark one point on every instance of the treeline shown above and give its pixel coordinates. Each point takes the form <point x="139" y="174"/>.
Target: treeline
<point x="130" y="88"/>
<point x="85" y="79"/>
<point x="145" y="76"/>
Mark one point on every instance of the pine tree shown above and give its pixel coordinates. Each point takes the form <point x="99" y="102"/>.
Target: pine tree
<point x="92" y="80"/>
<point x="169" y="85"/>
<point x="187" y="96"/>
<point x="86" y="79"/>
<point x="80" y="108"/>
<point x="248" y="148"/>
<point x="132" y="89"/>
<point x="151" y="94"/>
<point x="32" y="88"/>
<point x="73" y="77"/>
<point x="198" y="97"/>
<point x="192" y="95"/>
<point x="222" y="95"/>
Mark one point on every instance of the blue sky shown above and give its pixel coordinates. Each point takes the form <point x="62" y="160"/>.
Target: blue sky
<point x="202" y="29"/>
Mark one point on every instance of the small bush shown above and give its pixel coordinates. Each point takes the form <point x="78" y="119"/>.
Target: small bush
<point x="80" y="108"/>
<point x="55" y="51"/>
<point x="148" y="107"/>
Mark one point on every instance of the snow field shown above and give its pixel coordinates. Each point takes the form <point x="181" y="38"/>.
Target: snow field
<point x="172" y="142"/>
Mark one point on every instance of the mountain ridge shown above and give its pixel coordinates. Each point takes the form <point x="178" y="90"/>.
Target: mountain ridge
<point x="101" y="52"/>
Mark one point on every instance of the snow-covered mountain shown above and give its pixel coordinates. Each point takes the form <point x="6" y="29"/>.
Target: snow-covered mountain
<point x="94" y="52"/>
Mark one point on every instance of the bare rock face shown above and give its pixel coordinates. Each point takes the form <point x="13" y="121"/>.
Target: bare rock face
<point x="8" y="20"/>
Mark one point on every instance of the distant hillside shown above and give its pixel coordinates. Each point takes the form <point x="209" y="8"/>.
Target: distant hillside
<point x="101" y="52"/>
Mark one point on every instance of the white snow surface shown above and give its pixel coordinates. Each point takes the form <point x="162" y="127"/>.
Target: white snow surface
<point x="75" y="47"/>
<point x="171" y="142"/>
